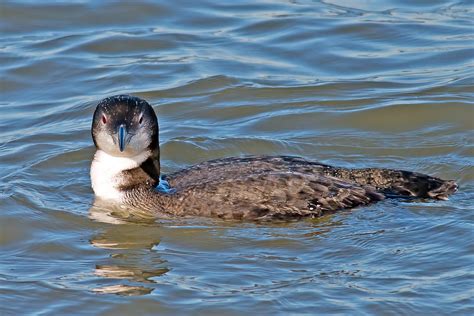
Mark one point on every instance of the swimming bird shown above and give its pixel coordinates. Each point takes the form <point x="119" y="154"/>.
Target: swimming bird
<point x="126" y="170"/>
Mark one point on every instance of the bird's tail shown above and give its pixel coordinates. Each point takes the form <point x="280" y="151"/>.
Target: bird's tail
<point x="394" y="183"/>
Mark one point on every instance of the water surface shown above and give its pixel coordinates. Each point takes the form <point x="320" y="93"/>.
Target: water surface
<point x="350" y="83"/>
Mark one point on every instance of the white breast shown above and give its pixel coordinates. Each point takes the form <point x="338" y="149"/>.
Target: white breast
<point x="105" y="173"/>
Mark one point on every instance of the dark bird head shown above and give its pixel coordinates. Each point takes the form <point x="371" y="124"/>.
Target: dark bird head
<point x="125" y="126"/>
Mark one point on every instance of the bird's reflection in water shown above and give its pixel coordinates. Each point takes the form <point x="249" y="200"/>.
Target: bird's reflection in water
<point x="130" y="241"/>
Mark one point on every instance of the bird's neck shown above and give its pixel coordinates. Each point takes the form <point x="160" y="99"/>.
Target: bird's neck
<point x="106" y="173"/>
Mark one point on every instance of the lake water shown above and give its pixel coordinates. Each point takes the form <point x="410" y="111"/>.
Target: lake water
<point x="351" y="83"/>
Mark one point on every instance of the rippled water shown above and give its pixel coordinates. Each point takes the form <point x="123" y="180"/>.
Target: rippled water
<point x="352" y="83"/>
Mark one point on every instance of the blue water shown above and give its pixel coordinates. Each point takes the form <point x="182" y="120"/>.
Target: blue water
<point x="349" y="83"/>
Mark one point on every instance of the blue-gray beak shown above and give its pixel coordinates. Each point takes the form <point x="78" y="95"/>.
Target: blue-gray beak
<point x="122" y="135"/>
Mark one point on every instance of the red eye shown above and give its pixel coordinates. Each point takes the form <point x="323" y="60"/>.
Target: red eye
<point x="104" y="119"/>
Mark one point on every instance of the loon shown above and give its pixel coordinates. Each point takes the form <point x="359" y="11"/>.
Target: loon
<point x="126" y="170"/>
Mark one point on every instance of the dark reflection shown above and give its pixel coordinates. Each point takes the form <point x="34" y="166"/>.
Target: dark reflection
<point x="131" y="241"/>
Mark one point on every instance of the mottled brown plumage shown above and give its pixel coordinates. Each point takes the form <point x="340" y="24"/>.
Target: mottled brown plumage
<point x="252" y="188"/>
<point x="279" y="187"/>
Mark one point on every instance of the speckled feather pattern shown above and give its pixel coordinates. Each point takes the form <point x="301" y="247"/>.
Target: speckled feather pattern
<point x="277" y="187"/>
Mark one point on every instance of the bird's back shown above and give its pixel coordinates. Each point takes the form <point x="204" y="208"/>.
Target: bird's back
<point x="265" y="187"/>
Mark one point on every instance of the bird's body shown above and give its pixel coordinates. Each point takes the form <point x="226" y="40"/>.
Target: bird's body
<point x="255" y="188"/>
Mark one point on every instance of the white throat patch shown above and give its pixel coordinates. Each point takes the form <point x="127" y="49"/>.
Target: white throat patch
<point x="105" y="173"/>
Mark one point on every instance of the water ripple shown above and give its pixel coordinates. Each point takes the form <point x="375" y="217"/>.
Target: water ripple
<point x="350" y="83"/>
